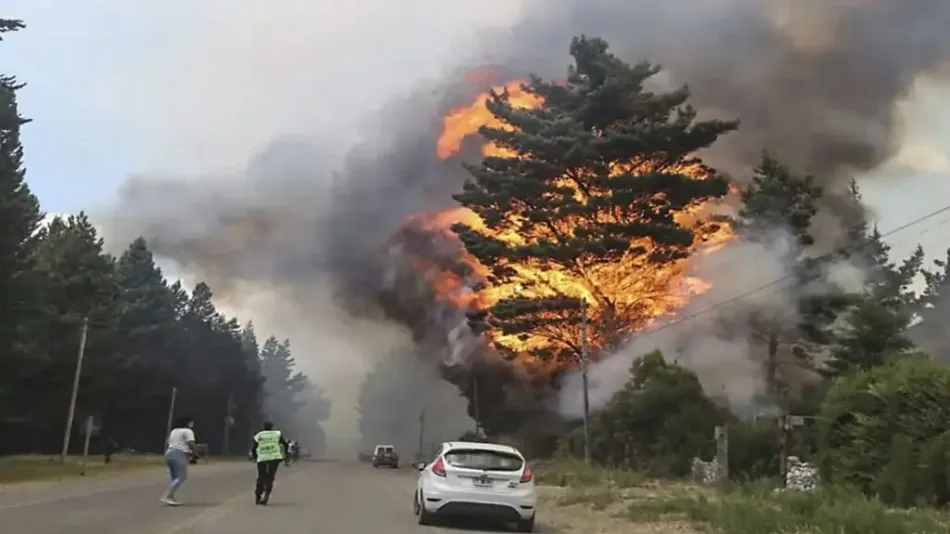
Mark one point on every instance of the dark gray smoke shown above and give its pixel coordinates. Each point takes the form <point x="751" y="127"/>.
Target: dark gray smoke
<point x="815" y="82"/>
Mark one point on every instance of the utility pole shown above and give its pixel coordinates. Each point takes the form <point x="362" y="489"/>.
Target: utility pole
<point x="585" y="362"/>
<point x="85" y="446"/>
<point x="226" y="448"/>
<point x="75" y="393"/>
<point x="171" y="415"/>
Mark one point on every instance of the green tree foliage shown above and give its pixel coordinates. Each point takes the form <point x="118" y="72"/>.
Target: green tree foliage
<point x="875" y="329"/>
<point x="779" y="200"/>
<point x="658" y="422"/>
<point x="886" y="430"/>
<point x="145" y="336"/>
<point x="283" y="384"/>
<point x="593" y="181"/>
<point x="887" y="282"/>
<point x="874" y="333"/>
<point x="777" y="211"/>
<point x="933" y="308"/>
<point x="20" y="218"/>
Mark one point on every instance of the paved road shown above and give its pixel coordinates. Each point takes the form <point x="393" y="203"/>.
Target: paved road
<point x="311" y="497"/>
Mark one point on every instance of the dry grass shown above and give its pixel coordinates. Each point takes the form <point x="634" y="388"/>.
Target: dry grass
<point x="578" y="499"/>
<point x="28" y="468"/>
<point x="599" y="511"/>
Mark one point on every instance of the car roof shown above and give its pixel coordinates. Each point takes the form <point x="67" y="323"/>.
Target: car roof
<point x="390" y="446"/>
<point x="449" y="445"/>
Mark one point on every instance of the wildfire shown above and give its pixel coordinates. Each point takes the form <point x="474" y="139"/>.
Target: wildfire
<point x="639" y="293"/>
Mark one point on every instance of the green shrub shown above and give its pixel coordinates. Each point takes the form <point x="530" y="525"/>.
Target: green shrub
<point x="754" y="449"/>
<point x="886" y="431"/>
<point x="656" y="424"/>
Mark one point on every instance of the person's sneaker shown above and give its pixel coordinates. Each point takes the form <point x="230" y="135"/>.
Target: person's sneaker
<point x="265" y="498"/>
<point x="258" y="500"/>
<point x="170" y="501"/>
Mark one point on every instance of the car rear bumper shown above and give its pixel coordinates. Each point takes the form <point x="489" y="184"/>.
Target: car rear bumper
<point x="506" y="509"/>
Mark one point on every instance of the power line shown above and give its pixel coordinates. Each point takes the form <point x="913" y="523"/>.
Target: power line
<point x="773" y="283"/>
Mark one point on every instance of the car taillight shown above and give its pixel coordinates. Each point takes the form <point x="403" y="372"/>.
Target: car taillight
<point x="526" y="475"/>
<point x="438" y="468"/>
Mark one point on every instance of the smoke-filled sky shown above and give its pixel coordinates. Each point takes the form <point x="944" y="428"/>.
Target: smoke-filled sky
<point x="196" y="90"/>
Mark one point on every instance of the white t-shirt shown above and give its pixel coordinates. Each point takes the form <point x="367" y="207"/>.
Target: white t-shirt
<point x="179" y="438"/>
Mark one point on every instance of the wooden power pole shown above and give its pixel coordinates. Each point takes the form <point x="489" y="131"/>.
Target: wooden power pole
<point x="71" y="414"/>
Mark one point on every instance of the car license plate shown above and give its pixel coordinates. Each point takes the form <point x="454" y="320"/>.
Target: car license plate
<point x="482" y="482"/>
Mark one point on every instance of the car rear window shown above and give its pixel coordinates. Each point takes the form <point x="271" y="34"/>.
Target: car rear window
<point x="481" y="459"/>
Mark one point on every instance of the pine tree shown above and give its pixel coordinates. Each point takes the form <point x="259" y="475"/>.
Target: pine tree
<point x="283" y="384"/>
<point x="886" y="280"/>
<point x="875" y="334"/>
<point x="933" y="308"/>
<point x="592" y="180"/>
<point x="779" y="202"/>
<point x="78" y="282"/>
<point x="20" y="218"/>
<point x="876" y="329"/>
<point x="147" y="340"/>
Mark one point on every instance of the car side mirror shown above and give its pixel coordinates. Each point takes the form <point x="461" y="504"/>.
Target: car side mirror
<point x="421" y="466"/>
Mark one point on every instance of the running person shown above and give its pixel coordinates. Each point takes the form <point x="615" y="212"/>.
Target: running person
<point x="181" y="446"/>
<point x="269" y="449"/>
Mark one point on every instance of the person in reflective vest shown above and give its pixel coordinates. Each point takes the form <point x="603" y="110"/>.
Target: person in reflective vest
<point x="268" y="450"/>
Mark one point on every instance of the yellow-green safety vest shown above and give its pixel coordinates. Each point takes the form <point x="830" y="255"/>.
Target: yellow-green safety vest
<point x="268" y="446"/>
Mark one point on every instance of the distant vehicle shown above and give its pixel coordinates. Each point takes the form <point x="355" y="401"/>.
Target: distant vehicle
<point x="365" y="457"/>
<point x="385" y="455"/>
<point x="471" y="479"/>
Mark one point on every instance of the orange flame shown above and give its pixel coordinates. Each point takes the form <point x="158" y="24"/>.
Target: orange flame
<point x="640" y="293"/>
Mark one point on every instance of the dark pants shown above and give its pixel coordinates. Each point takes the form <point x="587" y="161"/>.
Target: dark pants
<point x="266" y="471"/>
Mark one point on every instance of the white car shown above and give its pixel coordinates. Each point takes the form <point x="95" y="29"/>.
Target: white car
<point x="476" y="480"/>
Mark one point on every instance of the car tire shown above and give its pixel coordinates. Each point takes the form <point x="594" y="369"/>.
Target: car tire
<point x="526" y="525"/>
<point x="424" y="518"/>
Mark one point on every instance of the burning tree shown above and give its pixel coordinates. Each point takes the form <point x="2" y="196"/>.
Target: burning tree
<point x="589" y="191"/>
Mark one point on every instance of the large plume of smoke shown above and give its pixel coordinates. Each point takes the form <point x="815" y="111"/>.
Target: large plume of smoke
<point x="714" y="335"/>
<point x="815" y="82"/>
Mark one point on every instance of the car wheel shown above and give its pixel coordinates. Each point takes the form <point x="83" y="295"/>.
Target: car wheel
<point x="526" y="525"/>
<point x="425" y="518"/>
<point x="415" y="503"/>
<point x="395" y="466"/>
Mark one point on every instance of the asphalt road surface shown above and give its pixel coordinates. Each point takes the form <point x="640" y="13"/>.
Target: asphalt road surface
<point x="310" y="497"/>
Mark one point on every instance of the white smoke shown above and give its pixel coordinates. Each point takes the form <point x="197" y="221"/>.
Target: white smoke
<point x="752" y="281"/>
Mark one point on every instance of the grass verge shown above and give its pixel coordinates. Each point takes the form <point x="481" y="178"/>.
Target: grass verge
<point x="26" y="468"/>
<point x="578" y="498"/>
